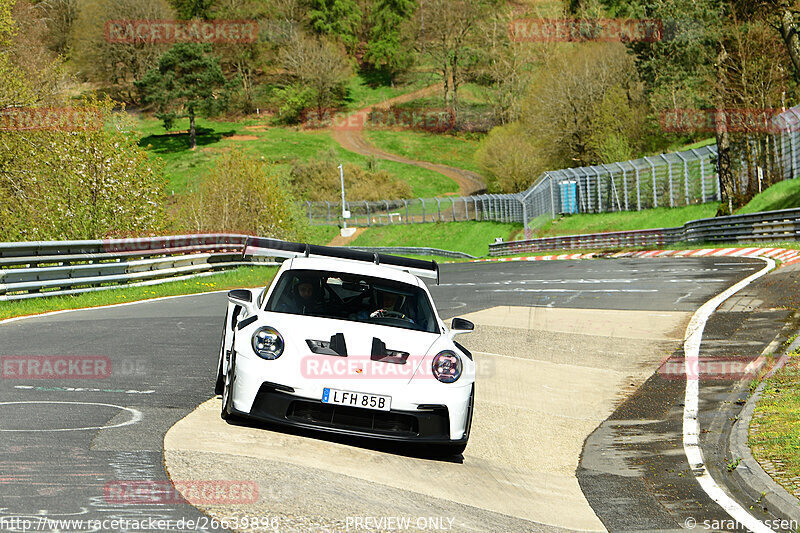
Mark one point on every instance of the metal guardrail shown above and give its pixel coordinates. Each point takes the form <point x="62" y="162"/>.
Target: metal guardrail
<point x="768" y="226"/>
<point x="415" y="251"/>
<point x="57" y="268"/>
<point x="60" y="268"/>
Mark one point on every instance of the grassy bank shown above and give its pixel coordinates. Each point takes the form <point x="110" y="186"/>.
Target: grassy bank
<point x="281" y="146"/>
<point x="775" y="429"/>
<point x="782" y="195"/>
<point x="662" y="217"/>
<point x="470" y="237"/>
<point x="243" y="277"/>
<point x="456" y="151"/>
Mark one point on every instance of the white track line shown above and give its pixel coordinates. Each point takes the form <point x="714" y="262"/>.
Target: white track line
<point x="691" y="429"/>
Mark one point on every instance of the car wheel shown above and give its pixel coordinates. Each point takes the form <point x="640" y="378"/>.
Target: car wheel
<point x="220" y="384"/>
<point x="227" y="391"/>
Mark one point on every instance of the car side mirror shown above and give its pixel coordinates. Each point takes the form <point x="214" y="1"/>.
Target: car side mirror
<point x="461" y="325"/>
<point x="241" y="297"/>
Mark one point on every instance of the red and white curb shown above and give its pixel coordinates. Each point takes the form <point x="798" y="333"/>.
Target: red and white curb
<point x="786" y="256"/>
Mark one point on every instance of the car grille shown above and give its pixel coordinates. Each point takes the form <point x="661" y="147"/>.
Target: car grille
<point x="345" y="417"/>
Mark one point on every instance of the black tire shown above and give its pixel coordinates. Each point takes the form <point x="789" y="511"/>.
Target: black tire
<point x="227" y="411"/>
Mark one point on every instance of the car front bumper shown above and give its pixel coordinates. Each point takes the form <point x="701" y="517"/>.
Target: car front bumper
<point x="429" y="425"/>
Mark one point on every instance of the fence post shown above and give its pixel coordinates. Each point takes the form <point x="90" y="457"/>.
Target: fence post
<point x="466" y="208"/>
<point x="453" y="203"/>
<point x="702" y="175"/>
<point x="793" y="137"/>
<point x="423" y="209"/>
<point x="328" y="204"/>
<point x="624" y="184"/>
<point x="599" y="190"/>
<point x="438" y="210"/>
<point x="655" y="196"/>
<point x="552" y="197"/>
<point x="369" y="220"/>
<point x="405" y="202"/>
<point x="388" y="216"/>
<point x="685" y="175"/>
<point x="638" y="189"/>
<point x="669" y="173"/>
<point x="310" y="218"/>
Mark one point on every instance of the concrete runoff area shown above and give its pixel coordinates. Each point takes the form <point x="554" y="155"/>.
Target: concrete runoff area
<point x="537" y="400"/>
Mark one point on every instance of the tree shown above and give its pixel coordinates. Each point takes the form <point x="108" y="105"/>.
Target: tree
<point x="59" y="16"/>
<point x="387" y="47"/>
<point x="317" y="70"/>
<point x="186" y="82"/>
<point x="241" y="194"/>
<point x="447" y="32"/>
<point x="244" y="61"/>
<point x="115" y="65"/>
<point x="83" y="184"/>
<point x="193" y="9"/>
<point x="335" y="17"/>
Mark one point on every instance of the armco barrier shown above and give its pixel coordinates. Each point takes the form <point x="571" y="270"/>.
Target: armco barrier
<point x="58" y="268"/>
<point x="50" y="268"/>
<point x="768" y="226"/>
<point x="415" y="251"/>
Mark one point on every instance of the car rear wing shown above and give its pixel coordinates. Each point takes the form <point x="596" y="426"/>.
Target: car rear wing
<point x="261" y="247"/>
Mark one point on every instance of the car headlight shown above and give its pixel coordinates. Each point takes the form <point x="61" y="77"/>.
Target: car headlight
<point x="267" y="343"/>
<point x="447" y="366"/>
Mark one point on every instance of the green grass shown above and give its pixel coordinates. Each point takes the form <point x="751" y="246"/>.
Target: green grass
<point x="366" y="89"/>
<point x="455" y="151"/>
<point x="470" y="237"/>
<point x="662" y="217"/>
<point x="243" y="277"/>
<point x="281" y="146"/>
<point x="775" y="429"/>
<point x="782" y="195"/>
<point x="321" y="235"/>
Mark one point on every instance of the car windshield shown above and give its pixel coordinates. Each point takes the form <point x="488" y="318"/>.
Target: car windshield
<point x="347" y="296"/>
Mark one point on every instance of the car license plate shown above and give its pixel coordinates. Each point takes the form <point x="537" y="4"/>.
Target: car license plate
<point x="357" y="399"/>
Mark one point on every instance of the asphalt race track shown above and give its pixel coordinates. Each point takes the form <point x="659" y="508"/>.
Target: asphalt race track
<point x="554" y="332"/>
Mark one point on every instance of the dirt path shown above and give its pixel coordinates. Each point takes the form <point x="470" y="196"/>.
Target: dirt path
<point x="344" y="241"/>
<point x="351" y="137"/>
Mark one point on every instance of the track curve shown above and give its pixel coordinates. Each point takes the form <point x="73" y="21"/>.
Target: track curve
<point x="587" y="334"/>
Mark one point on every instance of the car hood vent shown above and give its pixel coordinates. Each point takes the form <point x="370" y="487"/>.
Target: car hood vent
<point x="382" y="354"/>
<point x="335" y="346"/>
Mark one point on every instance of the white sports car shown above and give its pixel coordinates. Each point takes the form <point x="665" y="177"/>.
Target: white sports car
<point x="348" y="342"/>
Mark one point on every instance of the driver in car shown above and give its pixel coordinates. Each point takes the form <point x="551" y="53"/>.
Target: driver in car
<point x="390" y="305"/>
